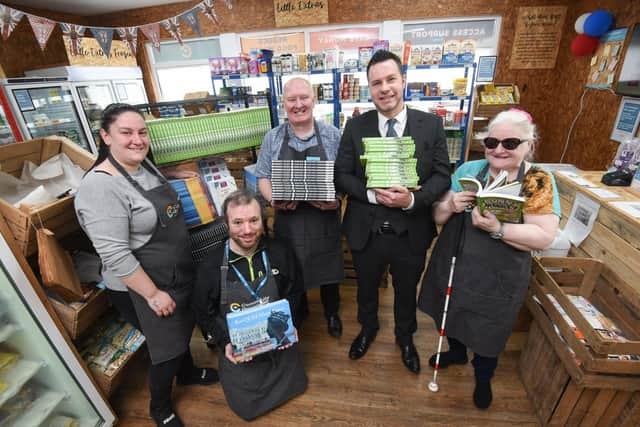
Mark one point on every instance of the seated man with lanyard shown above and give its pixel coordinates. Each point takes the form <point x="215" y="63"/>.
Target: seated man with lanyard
<point x="249" y="267"/>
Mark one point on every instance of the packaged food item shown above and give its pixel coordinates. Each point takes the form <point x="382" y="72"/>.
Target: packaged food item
<point x="467" y="51"/>
<point x="364" y="55"/>
<point x="331" y="58"/>
<point x="7" y="359"/>
<point x="450" y="51"/>
<point x="436" y="55"/>
<point x="460" y="86"/>
<point x="416" y="56"/>
<point x="62" y="421"/>
<point x="380" y="45"/>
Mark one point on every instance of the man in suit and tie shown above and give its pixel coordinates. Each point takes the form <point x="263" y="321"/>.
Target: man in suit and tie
<point x="390" y="226"/>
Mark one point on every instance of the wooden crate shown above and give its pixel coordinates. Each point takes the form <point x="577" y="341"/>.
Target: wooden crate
<point x="491" y="110"/>
<point x="108" y="384"/>
<point x="562" y="394"/>
<point x="76" y="319"/>
<point x="616" y="300"/>
<point x="58" y="216"/>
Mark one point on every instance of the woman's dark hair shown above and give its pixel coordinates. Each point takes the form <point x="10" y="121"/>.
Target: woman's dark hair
<point x="109" y="115"/>
<point x="381" y="56"/>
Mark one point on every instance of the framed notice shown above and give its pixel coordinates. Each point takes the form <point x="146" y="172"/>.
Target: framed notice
<point x="486" y="69"/>
<point x="537" y="38"/>
<point x="627" y="120"/>
<point x="604" y="63"/>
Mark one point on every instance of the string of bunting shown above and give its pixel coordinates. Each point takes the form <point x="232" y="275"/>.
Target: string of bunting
<point x="73" y="34"/>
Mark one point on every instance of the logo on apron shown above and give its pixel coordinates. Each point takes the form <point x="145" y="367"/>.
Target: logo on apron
<point x="173" y="209"/>
<point x="275" y="271"/>
<point x="235" y="307"/>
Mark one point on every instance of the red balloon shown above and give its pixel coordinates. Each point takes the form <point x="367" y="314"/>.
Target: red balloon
<point x="584" y="45"/>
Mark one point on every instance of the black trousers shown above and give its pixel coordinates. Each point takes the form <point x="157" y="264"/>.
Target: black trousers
<point x="483" y="367"/>
<point x="330" y="297"/>
<point x="381" y="251"/>
<point x="161" y="375"/>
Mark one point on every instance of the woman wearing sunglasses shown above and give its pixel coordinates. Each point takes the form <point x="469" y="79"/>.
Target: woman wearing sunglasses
<point x="493" y="259"/>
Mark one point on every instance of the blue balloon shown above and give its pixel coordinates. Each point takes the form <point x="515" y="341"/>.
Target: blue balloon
<point x="598" y="23"/>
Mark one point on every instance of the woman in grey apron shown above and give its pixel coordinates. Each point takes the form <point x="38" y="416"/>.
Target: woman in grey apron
<point x="314" y="235"/>
<point x="270" y="379"/>
<point x="493" y="260"/>
<point x="165" y="263"/>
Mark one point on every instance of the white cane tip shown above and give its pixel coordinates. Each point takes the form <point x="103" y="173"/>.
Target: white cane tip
<point x="433" y="387"/>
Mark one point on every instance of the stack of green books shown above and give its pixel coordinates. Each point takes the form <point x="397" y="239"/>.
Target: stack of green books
<point x="185" y="138"/>
<point x="389" y="161"/>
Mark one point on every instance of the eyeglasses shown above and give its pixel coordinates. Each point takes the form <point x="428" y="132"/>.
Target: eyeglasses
<point x="508" y="143"/>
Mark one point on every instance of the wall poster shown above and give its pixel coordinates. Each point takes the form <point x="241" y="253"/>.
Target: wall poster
<point x="537" y="38"/>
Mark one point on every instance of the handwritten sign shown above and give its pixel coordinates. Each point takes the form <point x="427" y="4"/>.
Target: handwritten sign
<point x="537" y="38"/>
<point x="293" y="13"/>
<point x="278" y="43"/>
<point x="90" y="53"/>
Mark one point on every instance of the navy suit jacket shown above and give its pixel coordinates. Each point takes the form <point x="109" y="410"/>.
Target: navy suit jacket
<point x="433" y="171"/>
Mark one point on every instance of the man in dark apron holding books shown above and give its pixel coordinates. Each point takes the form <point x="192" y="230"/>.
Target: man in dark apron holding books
<point x="312" y="228"/>
<point x="249" y="269"/>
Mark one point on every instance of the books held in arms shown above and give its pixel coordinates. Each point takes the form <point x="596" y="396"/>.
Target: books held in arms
<point x="389" y="161"/>
<point x="501" y="199"/>
<point x="260" y="328"/>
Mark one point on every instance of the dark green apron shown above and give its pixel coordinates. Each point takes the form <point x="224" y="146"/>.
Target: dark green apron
<point x="166" y="258"/>
<point x="489" y="284"/>
<point x="270" y="379"/>
<point x="313" y="234"/>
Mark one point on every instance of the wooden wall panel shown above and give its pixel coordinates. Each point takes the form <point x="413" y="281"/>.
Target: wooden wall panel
<point x="22" y="52"/>
<point x="552" y="96"/>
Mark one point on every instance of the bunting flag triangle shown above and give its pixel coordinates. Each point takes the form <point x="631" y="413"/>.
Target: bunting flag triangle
<point x="73" y="36"/>
<point x="42" y="29"/>
<point x="152" y="32"/>
<point x="206" y="7"/>
<point x="9" y="18"/>
<point x="228" y="3"/>
<point x="172" y="25"/>
<point x="129" y="35"/>
<point x="191" y="18"/>
<point x="104" y="37"/>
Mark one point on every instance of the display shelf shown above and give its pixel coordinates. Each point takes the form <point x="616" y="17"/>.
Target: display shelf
<point x="17" y="376"/>
<point x="437" y="66"/>
<point x="6" y="331"/>
<point x="40" y="409"/>
<point x="355" y="101"/>
<point x="437" y="98"/>
<point x="32" y="125"/>
<point x="239" y="76"/>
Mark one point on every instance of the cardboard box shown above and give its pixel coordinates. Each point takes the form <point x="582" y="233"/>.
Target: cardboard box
<point x="58" y="216"/>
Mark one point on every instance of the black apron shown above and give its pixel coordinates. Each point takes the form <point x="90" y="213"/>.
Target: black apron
<point x="166" y="258"/>
<point x="270" y="379"/>
<point x="490" y="283"/>
<point x="313" y="234"/>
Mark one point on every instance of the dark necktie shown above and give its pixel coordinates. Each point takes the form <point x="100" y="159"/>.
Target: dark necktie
<point x="391" y="132"/>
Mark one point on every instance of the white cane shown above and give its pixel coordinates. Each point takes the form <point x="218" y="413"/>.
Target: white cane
<point x="433" y="385"/>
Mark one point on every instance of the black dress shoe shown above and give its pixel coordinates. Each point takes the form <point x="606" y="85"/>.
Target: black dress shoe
<point x="482" y="395"/>
<point x="448" y="358"/>
<point x="361" y="344"/>
<point x="410" y="357"/>
<point x="334" y="325"/>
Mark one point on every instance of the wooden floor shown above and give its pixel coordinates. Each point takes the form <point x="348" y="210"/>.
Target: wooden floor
<point x="376" y="390"/>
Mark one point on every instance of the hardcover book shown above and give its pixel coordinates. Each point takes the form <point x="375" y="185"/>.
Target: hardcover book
<point x="260" y="329"/>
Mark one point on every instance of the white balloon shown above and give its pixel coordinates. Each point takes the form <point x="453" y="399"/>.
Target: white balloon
<point x="579" y="26"/>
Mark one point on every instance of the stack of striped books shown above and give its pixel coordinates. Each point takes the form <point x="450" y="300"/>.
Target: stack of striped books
<point x="302" y="180"/>
<point x="195" y="204"/>
<point x="389" y="161"/>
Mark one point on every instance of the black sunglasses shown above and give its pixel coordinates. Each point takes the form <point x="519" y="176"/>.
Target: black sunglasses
<point x="508" y="143"/>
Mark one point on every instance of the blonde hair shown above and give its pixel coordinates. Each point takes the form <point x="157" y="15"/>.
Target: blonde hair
<point x="522" y="124"/>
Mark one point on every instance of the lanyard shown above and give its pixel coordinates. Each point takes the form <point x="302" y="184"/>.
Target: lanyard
<point x="243" y="280"/>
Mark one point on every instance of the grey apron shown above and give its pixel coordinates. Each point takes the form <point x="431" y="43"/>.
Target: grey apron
<point x="489" y="284"/>
<point x="313" y="234"/>
<point x="166" y="258"/>
<point x="270" y="379"/>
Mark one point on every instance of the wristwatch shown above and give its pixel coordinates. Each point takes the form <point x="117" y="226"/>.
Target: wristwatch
<point x="498" y="235"/>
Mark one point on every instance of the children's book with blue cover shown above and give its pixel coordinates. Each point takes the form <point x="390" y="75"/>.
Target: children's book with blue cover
<point x="260" y="329"/>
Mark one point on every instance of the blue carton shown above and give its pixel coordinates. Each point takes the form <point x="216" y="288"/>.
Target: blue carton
<point x="249" y="179"/>
<point x="260" y="329"/>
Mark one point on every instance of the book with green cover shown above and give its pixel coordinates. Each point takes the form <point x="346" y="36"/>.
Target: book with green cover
<point x="499" y="198"/>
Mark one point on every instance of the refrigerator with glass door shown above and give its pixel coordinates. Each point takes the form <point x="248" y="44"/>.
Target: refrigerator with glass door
<point x="43" y="382"/>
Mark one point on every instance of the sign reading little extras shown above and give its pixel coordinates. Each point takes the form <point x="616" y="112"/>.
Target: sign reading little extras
<point x="90" y="53"/>
<point x="292" y="13"/>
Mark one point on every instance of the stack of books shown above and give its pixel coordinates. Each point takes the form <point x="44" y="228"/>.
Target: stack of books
<point x="195" y="201"/>
<point x="218" y="180"/>
<point x="389" y="161"/>
<point x="302" y="180"/>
